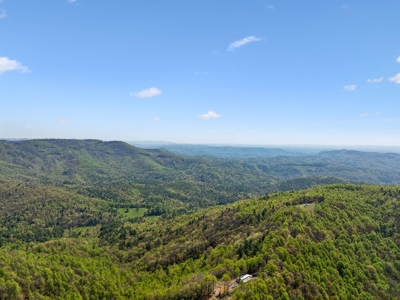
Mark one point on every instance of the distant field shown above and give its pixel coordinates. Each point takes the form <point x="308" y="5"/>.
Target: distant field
<point x="132" y="212"/>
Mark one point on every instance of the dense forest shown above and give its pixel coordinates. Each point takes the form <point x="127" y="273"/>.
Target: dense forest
<point x="344" y="244"/>
<point x="170" y="184"/>
<point x="94" y="163"/>
<point x="232" y="152"/>
<point x="106" y="220"/>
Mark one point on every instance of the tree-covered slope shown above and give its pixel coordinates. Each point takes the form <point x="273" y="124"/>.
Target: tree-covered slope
<point x="381" y="168"/>
<point x="173" y="198"/>
<point x="168" y="184"/>
<point x="84" y="162"/>
<point x="230" y="151"/>
<point x="93" y="162"/>
<point x="343" y="245"/>
<point x="32" y="212"/>
<point x="359" y="159"/>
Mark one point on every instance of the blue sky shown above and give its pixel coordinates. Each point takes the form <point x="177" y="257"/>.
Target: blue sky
<point x="186" y="71"/>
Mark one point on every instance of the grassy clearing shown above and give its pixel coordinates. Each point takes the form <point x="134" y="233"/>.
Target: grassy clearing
<point x="132" y="212"/>
<point x="309" y="207"/>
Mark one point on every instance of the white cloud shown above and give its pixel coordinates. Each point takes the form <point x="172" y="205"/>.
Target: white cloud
<point x="71" y="1"/>
<point x="210" y="115"/>
<point x="156" y="119"/>
<point x="350" y="88"/>
<point x="7" y="64"/>
<point x="376" y="80"/>
<point x="147" y="93"/>
<point x="201" y="73"/>
<point x="364" y="115"/>
<point x="395" y="78"/>
<point x="269" y="6"/>
<point x="398" y="59"/>
<point x="3" y="14"/>
<point x="242" y="42"/>
<point x="62" y="120"/>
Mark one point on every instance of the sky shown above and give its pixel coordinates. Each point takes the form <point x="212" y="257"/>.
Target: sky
<point x="202" y="72"/>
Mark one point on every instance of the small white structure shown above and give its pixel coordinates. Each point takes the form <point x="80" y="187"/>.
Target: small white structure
<point x="244" y="278"/>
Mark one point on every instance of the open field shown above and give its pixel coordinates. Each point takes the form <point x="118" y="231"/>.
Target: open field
<point x="132" y="212"/>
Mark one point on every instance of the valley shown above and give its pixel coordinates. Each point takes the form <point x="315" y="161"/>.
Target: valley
<point x="106" y="220"/>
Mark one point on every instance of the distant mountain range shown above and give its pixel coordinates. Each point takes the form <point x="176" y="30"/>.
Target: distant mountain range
<point x="166" y="183"/>
<point x="246" y="150"/>
<point x="243" y="151"/>
<point x="94" y="162"/>
<point x="233" y="152"/>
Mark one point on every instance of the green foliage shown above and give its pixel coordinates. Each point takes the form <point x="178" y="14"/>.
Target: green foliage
<point x="168" y="184"/>
<point x="214" y="152"/>
<point x="132" y="213"/>
<point x="36" y="213"/>
<point x="346" y="248"/>
<point x="105" y="220"/>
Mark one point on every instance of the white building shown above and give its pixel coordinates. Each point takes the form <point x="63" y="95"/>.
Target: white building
<point x="245" y="278"/>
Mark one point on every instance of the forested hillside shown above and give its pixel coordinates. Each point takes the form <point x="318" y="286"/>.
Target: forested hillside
<point x="343" y="245"/>
<point x="85" y="162"/>
<point x="169" y="184"/>
<point x="231" y="151"/>
<point x="36" y="213"/>
<point x="93" y="162"/>
<point x="106" y="220"/>
<point x="174" y="198"/>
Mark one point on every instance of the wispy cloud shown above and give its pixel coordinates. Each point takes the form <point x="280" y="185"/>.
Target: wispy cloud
<point x="376" y="80"/>
<point x="269" y="6"/>
<point x="71" y="1"/>
<point x="156" y="119"/>
<point x="147" y="93"/>
<point x="242" y="42"/>
<point x="7" y="64"/>
<point x="350" y="88"/>
<point x="364" y="115"/>
<point x="62" y="120"/>
<point x="395" y="78"/>
<point x="210" y="115"/>
<point x="201" y="73"/>
<point x="398" y="59"/>
<point x="3" y="14"/>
